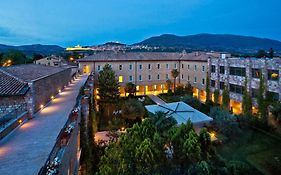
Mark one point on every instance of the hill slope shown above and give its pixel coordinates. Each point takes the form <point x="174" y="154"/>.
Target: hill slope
<point x="217" y="42"/>
<point x="35" y="48"/>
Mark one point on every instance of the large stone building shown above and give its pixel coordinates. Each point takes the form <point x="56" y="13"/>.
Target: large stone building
<point x="31" y="86"/>
<point x="149" y="71"/>
<point x="232" y="72"/>
<point x="51" y="61"/>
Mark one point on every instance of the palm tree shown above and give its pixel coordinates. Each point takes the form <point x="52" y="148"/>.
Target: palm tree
<point x="130" y="88"/>
<point x="162" y="122"/>
<point x="175" y="73"/>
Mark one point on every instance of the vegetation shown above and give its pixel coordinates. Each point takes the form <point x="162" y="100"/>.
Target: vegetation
<point x="175" y="73"/>
<point x="216" y="96"/>
<point x="132" y="109"/>
<point x="207" y="89"/>
<point x="188" y="89"/>
<point x="14" y="57"/>
<point x="225" y="98"/>
<point x="276" y="111"/>
<point x="130" y="88"/>
<point x="247" y="102"/>
<point x="108" y="90"/>
<point x="262" y="108"/>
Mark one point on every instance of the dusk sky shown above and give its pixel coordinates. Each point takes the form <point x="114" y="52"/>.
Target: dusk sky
<point x="88" y="22"/>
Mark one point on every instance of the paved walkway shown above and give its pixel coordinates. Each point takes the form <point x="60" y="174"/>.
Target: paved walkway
<point x="25" y="151"/>
<point x="156" y="99"/>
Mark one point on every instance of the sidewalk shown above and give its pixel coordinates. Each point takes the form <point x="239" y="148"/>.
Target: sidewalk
<point x="156" y="99"/>
<point x="27" y="148"/>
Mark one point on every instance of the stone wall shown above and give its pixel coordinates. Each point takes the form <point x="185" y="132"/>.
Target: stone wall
<point x="42" y="89"/>
<point x="9" y="104"/>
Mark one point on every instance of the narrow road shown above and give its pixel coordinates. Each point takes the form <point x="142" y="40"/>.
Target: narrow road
<point x="156" y="99"/>
<point x="26" y="149"/>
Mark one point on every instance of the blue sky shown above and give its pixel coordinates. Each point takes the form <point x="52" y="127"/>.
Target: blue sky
<point x="87" y="22"/>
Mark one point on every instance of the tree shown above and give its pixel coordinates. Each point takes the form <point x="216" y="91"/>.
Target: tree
<point x="216" y="96"/>
<point x="37" y="57"/>
<point x="261" y="54"/>
<point x="271" y="53"/>
<point x="162" y="122"/>
<point x="179" y="89"/>
<point x="175" y="73"/>
<point x="168" y="85"/>
<point x="262" y="108"/>
<point x="130" y="88"/>
<point x="13" y="56"/>
<point x="205" y="141"/>
<point x="246" y="102"/>
<point x="132" y="109"/>
<point x="188" y="89"/>
<point x="207" y="89"/>
<point x="225" y="98"/>
<point x="108" y="88"/>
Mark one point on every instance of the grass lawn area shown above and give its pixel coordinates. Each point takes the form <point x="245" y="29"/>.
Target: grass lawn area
<point x="256" y="149"/>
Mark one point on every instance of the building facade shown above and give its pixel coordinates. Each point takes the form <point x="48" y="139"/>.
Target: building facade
<point x="233" y="72"/>
<point x="149" y="71"/>
<point x="51" y="61"/>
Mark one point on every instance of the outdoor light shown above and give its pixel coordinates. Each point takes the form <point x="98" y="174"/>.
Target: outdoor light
<point x="20" y="121"/>
<point x="41" y="106"/>
<point x="52" y="97"/>
<point x="9" y="61"/>
<point x="59" y="91"/>
<point x="122" y="129"/>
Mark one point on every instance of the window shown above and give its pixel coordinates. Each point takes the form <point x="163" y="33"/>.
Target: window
<point x="272" y="96"/>
<point x="213" y="69"/>
<point x="149" y="66"/>
<point x="213" y="83"/>
<point x="167" y="66"/>
<point x="167" y="76"/>
<point x="181" y="76"/>
<point x="188" y="66"/>
<point x="256" y="73"/>
<point x="175" y="66"/>
<point x="203" y="81"/>
<point x="195" y="67"/>
<point x="120" y="67"/>
<point x="120" y="79"/>
<point x="236" y="88"/>
<point x="98" y="67"/>
<point x="130" y="78"/>
<point x="255" y="93"/>
<point x="149" y="77"/>
<point x="158" y="77"/>
<point x="195" y="79"/>
<point x="221" y="85"/>
<point x="273" y="75"/>
<point x="131" y="67"/>
<point x="140" y="78"/>
<point x="222" y="70"/>
<point x="203" y="68"/>
<point x="158" y="66"/>
<point x="238" y="71"/>
<point x="182" y="66"/>
<point x="140" y="67"/>
<point x="188" y="78"/>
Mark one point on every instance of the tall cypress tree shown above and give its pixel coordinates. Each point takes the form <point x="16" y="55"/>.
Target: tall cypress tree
<point x="261" y="100"/>
<point x="247" y="101"/>
<point x="225" y="98"/>
<point x="207" y="88"/>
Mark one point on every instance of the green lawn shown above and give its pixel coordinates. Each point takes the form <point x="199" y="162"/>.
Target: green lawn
<point x="255" y="148"/>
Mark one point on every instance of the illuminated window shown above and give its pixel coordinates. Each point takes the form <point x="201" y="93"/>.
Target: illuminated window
<point x="137" y="88"/>
<point x="273" y="75"/>
<point x="120" y="79"/>
<point x="256" y="73"/>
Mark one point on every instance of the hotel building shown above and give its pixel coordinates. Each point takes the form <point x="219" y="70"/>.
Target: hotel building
<point x="232" y="72"/>
<point x="149" y="71"/>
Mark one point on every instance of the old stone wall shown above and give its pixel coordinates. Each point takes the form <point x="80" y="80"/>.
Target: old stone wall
<point x="44" y="88"/>
<point x="9" y="104"/>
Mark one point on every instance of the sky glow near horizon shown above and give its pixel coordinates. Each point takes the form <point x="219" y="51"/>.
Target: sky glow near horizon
<point x="89" y="22"/>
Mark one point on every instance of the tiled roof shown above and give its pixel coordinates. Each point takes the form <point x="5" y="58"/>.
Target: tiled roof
<point x="10" y="85"/>
<point x="146" y="56"/>
<point x="29" y="72"/>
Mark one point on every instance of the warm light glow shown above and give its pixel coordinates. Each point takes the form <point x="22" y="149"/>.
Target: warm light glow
<point x="59" y="91"/>
<point x="274" y="75"/>
<point x="123" y="129"/>
<point x="52" y="97"/>
<point x="71" y="58"/>
<point x="155" y="87"/>
<point x="137" y="88"/>
<point x="20" y="121"/>
<point x="41" y="106"/>
<point x="9" y="61"/>
<point x="120" y="79"/>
